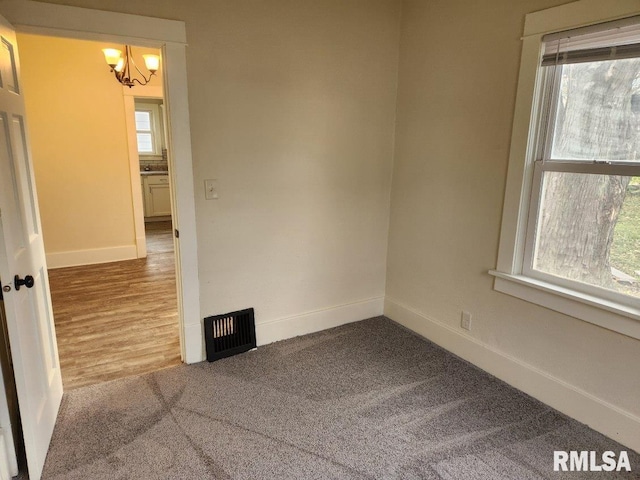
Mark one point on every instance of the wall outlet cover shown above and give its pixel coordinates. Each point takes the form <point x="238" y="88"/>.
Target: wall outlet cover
<point x="466" y="320"/>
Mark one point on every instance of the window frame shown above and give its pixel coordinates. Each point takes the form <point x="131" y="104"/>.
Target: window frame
<point x="156" y="129"/>
<point x="545" y="162"/>
<point x="512" y="275"/>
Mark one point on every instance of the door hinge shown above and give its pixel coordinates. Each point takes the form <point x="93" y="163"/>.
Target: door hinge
<point x="177" y="233"/>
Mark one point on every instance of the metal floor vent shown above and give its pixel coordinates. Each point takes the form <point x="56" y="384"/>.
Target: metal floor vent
<point x="229" y="334"/>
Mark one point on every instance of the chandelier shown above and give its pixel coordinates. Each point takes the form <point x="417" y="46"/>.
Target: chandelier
<point x="126" y="70"/>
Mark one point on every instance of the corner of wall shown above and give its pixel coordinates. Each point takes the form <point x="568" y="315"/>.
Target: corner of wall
<point x="574" y="402"/>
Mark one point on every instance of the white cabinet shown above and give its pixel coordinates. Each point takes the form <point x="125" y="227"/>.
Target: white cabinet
<point x="157" y="199"/>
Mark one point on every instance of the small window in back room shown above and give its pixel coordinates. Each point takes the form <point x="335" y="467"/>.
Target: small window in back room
<point x="148" y="129"/>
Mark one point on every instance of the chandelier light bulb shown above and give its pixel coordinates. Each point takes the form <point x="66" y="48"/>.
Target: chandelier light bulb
<point x="112" y="56"/>
<point x="152" y="62"/>
<point x="125" y="69"/>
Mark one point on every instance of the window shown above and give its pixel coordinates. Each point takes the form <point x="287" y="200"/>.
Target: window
<point x="585" y="227"/>
<point x="571" y="234"/>
<point x="144" y="132"/>
<point x="148" y="129"/>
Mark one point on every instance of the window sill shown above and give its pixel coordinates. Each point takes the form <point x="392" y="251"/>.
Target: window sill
<point x="604" y="313"/>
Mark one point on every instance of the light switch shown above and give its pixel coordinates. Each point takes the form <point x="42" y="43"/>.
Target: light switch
<point x="211" y="189"/>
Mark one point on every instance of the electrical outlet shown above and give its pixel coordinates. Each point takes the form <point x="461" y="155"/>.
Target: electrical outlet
<point x="466" y="320"/>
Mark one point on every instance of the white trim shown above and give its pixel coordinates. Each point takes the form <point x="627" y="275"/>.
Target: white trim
<point x="146" y="91"/>
<point x="194" y="343"/>
<point x="170" y="37"/>
<point x="88" y="24"/>
<point x="611" y="315"/>
<point x="134" y="174"/>
<point x="578" y="14"/>
<point x="159" y="218"/>
<point x="519" y="173"/>
<point x="129" y="95"/>
<point x="183" y="200"/>
<point x="310" y="322"/>
<point x="91" y="256"/>
<point x="518" y="191"/>
<point x="579" y="404"/>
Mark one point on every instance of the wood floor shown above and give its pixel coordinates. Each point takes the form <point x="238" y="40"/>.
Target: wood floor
<point x="118" y="319"/>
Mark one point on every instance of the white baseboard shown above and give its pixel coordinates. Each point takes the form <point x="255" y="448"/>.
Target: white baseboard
<point x="159" y="218"/>
<point x="602" y="416"/>
<point x="310" y="322"/>
<point x="284" y="328"/>
<point x="91" y="256"/>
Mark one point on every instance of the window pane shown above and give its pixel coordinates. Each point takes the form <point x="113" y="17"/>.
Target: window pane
<point x="589" y="230"/>
<point x="598" y="111"/>
<point x="145" y="143"/>
<point x="143" y="121"/>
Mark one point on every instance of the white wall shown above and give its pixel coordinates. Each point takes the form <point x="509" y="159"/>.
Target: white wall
<point x="458" y="72"/>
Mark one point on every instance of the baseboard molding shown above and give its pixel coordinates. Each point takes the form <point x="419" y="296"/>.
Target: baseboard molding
<point x="160" y="218"/>
<point x="289" y="327"/>
<point x="604" y="417"/>
<point x="91" y="256"/>
<point x="310" y="322"/>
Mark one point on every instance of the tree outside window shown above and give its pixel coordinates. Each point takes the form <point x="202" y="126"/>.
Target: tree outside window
<point x="587" y="227"/>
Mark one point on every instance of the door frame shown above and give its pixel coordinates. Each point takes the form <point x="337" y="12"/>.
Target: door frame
<point x="129" y="96"/>
<point x="170" y="37"/>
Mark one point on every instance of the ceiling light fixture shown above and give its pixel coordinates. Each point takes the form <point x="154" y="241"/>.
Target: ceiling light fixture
<point x="126" y="70"/>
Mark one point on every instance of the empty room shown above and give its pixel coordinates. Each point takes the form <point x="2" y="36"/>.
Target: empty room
<point x="405" y="233"/>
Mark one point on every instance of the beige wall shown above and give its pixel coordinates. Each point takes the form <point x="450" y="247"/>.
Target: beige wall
<point x="292" y="109"/>
<point x="457" y="82"/>
<point x="76" y="118"/>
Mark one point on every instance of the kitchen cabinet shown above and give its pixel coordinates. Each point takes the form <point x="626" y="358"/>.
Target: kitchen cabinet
<point x="157" y="197"/>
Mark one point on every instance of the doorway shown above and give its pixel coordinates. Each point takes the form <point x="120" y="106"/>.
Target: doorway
<point x="118" y="319"/>
<point x="114" y="299"/>
<point x="37" y="376"/>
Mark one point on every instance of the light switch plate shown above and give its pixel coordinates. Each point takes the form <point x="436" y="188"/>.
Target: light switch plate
<point x="211" y="189"/>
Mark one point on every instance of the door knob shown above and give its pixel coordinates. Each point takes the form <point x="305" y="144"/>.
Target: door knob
<point x="26" y="281"/>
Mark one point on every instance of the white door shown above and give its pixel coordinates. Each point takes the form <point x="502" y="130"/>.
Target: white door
<point x="28" y="306"/>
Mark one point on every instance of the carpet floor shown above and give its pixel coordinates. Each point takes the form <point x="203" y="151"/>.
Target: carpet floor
<point x="368" y="400"/>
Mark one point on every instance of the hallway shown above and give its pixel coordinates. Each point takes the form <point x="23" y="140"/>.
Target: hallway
<point x="118" y="319"/>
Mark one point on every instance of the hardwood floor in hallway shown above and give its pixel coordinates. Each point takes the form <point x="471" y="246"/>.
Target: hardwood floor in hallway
<point x="118" y="319"/>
